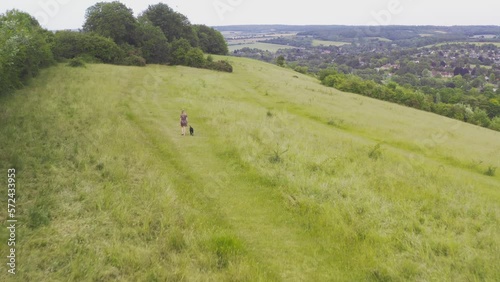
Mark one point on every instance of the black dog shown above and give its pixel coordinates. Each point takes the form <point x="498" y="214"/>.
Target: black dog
<point x="191" y="130"/>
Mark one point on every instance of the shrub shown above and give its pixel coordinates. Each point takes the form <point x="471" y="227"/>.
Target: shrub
<point x="88" y="59"/>
<point x="490" y="171"/>
<point x="134" y="60"/>
<point x="211" y="41"/>
<point x="480" y="117"/>
<point x="179" y="51"/>
<point x="195" y="58"/>
<point x="70" y="44"/>
<point x="495" y="123"/>
<point x="76" y="62"/>
<point x="277" y="155"/>
<point x="220" y="66"/>
<point x="301" y="69"/>
<point x="24" y="49"/>
<point x="375" y="153"/>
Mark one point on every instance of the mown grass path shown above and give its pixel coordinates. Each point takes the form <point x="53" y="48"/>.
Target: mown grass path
<point x="249" y="205"/>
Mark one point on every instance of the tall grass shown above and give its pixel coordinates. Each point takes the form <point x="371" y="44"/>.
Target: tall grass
<point x="112" y="191"/>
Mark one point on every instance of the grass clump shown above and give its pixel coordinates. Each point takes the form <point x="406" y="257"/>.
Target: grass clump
<point x="490" y="171"/>
<point x="176" y="241"/>
<point x="375" y="153"/>
<point x="38" y="216"/>
<point x="226" y="248"/>
<point x="335" y="122"/>
<point x="277" y="155"/>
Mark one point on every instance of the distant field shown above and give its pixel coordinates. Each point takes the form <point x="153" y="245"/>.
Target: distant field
<point x="317" y="42"/>
<point x="464" y="42"/>
<point x="380" y="38"/>
<point x="488" y="36"/>
<point x="248" y="40"/>
<point x="259" y="45"/>
<point x="231" y="42"/>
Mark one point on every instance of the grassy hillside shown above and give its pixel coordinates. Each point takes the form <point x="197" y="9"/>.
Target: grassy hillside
<point x="285" y="180"/>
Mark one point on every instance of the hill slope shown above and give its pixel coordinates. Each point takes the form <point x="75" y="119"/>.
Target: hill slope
<point x="284" y="180"/>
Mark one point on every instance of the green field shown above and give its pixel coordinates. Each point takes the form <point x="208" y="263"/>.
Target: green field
<point x="380" y="38"/>
<point x="463" y="42"/>
<point x="317" y="42"/>
<point x="259" y="45"/>
<point x="284" y="180"/>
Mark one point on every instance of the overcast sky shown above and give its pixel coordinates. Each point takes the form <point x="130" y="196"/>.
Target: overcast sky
<point x="70" y="14"/>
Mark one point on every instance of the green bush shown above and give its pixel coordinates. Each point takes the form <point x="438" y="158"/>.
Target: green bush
<point x="76" y="62"/>
<point x="70" y="44"/>
<point x="495" y="123"/>
<point x="24" y="49"/>
<point x="152" y="43"/>
<point x="220" y="66"/>
<point x="179" y="51"/>
<point x="195" y="58"/>
<point x="134" y="60"/>
<point x="211" y="41"/>
<point x="301" y="69"/>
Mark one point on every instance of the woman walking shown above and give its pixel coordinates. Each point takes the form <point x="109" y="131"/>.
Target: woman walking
<point x="184" y="122"/>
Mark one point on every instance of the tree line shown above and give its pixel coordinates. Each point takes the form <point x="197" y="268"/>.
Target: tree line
<point x="111" y="34"/>
<point x="393" y="92"/>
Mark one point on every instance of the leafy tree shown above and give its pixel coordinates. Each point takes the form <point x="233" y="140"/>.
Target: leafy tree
<point x="493" y="107"/>
<point x="426" y="73"/>
<point x="334" y="80"/>
<point x="458" y="81"/>
<point x="322" y="74"/>
<point x="152" y="43"/>
<point x="173" y="24"/>
<point x="179" y="51"/>
<point x="24" y="49"/>
<point x="301" y="69"/>
<point x="71" y="44"/>
<point x="480" y="117"/>
<point x="280" y="61"/>
<point x="492" y="78"/>
<point x="211" y="41"/>
<point x="495" y="123"/>
<point x="113" y="20"/>
<point x="195" y="58"/>
<point x="478" y="82"/>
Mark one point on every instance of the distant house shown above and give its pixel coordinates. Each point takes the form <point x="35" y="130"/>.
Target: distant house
<point x="388" y="67"/>
<point x="443" y="74"/>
